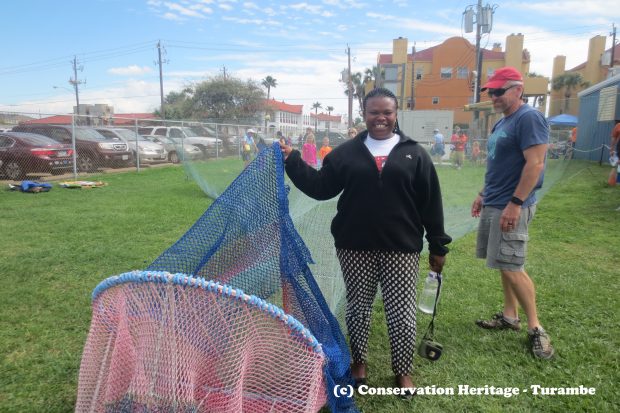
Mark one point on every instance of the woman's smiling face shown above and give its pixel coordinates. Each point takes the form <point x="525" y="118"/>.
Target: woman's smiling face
<point x="380" y="116"/>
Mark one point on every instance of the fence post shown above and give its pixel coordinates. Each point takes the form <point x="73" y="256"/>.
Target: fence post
<point x="217" y="144"/>
<point x="135" y="123"/>
<point x="74" y="148"/>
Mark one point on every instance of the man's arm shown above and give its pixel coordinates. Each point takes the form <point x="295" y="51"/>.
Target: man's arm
<point x="534" y="165"/>
<point x="615" y="136"/>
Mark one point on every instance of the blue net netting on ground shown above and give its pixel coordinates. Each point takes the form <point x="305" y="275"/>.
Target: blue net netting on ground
<point x="247" y="240"/>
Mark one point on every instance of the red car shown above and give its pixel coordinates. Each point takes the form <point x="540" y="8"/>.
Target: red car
<point x="25" y="153"/>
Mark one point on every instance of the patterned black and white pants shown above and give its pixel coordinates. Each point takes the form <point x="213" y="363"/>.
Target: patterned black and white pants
<point x="397" y="273"/>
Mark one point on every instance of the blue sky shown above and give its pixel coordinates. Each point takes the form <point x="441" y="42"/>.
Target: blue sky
<point x="300" y="43"/>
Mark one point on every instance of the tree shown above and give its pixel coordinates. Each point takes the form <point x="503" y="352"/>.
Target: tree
<point x="568" y="81"/>
<point x="228" y="99"/>
<point x="375" y="75"/>
<point x="269" y="82"/>
<point x="329" y="110"/>
<point x="316" y="106"/>
<point x="357" y="88"/>
<point x="178" y="104"/>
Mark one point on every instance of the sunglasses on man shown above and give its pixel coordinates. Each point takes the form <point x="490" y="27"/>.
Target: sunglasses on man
<point x="498" y="92"/>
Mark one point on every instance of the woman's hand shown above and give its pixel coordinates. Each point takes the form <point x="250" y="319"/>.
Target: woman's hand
<point x="436" y="262"/>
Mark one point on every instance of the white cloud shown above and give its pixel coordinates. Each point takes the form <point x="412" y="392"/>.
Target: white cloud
<point x="172" y="16"/>
<point x="130" y="70"/>
<point x="250" y="5"/>
<point x="225" y="6"/>
<point x="313" y="9"/>
<point x="185" y="11"/>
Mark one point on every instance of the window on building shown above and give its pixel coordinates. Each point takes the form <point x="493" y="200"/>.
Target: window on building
<point x="435" y="100"/>
<point x="462" y="73"/>
<point x="391" y="73"/>
<point x="392" y="87"/>
<point x="418" y="73"/>
<point x="446" y="73"/>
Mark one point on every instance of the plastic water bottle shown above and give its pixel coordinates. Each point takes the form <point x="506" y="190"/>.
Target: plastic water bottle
<point x="426" y="303"/>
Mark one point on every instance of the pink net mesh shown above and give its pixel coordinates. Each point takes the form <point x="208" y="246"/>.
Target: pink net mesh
<point x="172" y="343"/>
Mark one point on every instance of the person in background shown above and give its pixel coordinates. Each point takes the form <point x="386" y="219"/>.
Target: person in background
<point x="459" y="141"/>
<point x="325" y="149"/>
<point x="453" y="139"/>
<point x="475" y="153"/>
<point x="248" y="146"/>
<point x="352" y="133"/>
<point x="280" y="137"/>
<point x="388" y="201"/>
<point x="308" y="151"/>
<point x="506" y="205"/>
<point x="614" y="147"/>
<point x="461" y="148"/>
<point x="438" y="149"/>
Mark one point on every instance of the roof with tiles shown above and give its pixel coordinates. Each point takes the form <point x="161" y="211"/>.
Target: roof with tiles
<point x="284" y="107"/>
<point x="326" y="117"/>
<point x="119" y="119"/>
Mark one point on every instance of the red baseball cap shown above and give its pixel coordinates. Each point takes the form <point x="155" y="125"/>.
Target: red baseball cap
<point x="501" y="76"/>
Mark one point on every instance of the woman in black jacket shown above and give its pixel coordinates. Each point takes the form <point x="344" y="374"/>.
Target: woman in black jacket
<point x="389" y="196"/>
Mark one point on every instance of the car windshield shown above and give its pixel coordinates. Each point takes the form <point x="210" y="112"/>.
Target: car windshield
<point x="129" y="135"/>
<point x="189" y="132"/>
<point x="89" y="135"/>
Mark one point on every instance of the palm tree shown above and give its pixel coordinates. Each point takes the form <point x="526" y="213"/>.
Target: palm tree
<point x="374" y="76"/>
<point x="568" y="81"/>
<point x="329" y="110"/>
<point x="269" y="82"/>
<point x="316" y="106"/>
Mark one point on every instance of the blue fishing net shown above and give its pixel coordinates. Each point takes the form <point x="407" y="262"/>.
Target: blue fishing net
<point x="246" y="239"/>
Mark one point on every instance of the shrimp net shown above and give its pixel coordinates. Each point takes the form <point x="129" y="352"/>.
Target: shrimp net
<point x="183" y="352"/>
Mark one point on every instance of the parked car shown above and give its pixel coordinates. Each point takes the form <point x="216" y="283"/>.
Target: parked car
<point x="148" y="151"/>
<point x="93" y="149"/>
<point x="177" y="150"/>
<point x="227" y="147"/>
<point x="25" y="153"/>
<point x="210" y="147"/>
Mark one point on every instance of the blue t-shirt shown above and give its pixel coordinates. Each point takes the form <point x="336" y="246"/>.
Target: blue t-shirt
<point x="505" y="161"/>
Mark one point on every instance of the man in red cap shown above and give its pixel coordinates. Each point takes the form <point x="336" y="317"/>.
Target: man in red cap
<point x="515" y="170"/>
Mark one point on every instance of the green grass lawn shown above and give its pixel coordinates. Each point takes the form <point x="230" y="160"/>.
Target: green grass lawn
<point x="56" y="247"/>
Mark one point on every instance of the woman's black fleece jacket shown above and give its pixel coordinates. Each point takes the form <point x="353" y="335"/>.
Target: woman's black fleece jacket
<point x="387" y="211"/>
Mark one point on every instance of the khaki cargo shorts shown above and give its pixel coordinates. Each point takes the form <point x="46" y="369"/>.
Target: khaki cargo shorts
<point x="503" y="250"/>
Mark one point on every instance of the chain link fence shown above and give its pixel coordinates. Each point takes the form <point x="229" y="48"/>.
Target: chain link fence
<point x="38" y="146"/>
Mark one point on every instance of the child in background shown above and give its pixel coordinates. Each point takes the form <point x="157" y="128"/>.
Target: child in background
<point x="325" y="149"/>
<point x="475" y="153"/>
<point x="308" y="151"/>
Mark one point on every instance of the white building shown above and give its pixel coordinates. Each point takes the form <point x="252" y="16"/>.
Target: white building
<point x="291" y="121"/>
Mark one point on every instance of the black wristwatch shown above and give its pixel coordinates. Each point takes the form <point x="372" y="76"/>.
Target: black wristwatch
<point x="516" y="201"/>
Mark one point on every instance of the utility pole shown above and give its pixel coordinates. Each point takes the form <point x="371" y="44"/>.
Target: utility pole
<point x="484" y="23"/>
<point x="224" y="72"/>
<point x="350" y="87"/>
<point x="161" y="81"/>
<point x="75" y="82"/>
<point x="478" y="58"/>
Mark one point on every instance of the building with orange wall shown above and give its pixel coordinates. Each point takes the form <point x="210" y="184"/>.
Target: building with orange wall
<point x="444" y="75"/>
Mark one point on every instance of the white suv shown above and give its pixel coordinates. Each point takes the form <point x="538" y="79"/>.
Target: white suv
<point x="210" y="147"/>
